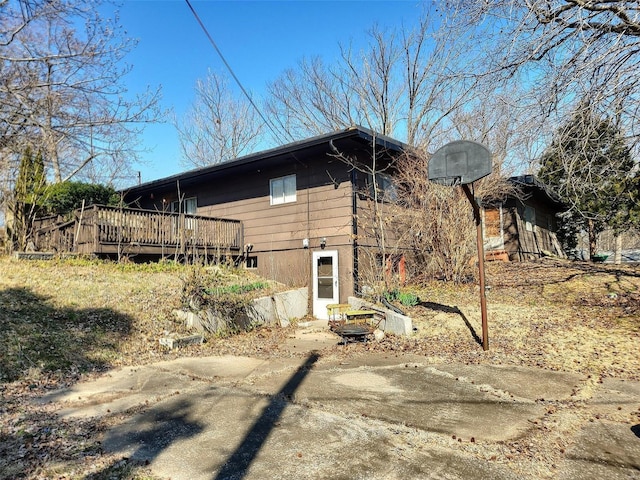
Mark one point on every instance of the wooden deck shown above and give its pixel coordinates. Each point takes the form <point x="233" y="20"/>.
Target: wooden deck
<point x="109" y="231"/>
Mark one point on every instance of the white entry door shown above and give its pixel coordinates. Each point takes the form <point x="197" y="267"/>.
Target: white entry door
<point x="325" y="281"/>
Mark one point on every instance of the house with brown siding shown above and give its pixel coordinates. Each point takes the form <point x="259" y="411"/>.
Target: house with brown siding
<point x="298" y="205"/>
<point x="304" y="214"/>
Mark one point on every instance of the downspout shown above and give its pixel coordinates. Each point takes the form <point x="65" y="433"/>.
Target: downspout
<point x="307" y="252"/>
<point x="354" y="230"/>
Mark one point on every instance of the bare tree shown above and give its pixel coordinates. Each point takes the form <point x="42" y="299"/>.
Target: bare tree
<point x="62" y="91"/>
<point x="424" y="85"/>
<point x="421" y="85"/>
<point x="499" y="123"/>
<point x="377" y="202"/>
<point x="311" y="100"/>
<point x="437" y="222"/>
<point x="564" y="50"/>
<point x="13" y="20"/>
<point x="219" y="126"/>
<point x="578" y="57"/>
<point x="405" y="83"/>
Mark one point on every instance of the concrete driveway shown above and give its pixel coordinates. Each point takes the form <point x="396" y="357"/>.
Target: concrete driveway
<point x="371" y="417"/>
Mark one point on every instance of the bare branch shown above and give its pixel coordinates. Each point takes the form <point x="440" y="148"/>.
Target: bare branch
<point x="219" y="127"/>
<point x="62" y="90"/>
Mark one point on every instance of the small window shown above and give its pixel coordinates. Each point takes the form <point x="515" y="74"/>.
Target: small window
<point x="493" y="222"/>
<point x="387" y="190"/>
<point x="529" y="218"/>
<point x="189" y="205"/>
<point x="283" y="189"/>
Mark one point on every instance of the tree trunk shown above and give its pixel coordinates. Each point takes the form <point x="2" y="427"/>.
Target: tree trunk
<point x="592" y="240"/>
<point x="617" y="249"/>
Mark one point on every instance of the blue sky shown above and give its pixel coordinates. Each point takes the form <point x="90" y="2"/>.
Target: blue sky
<point x="259" y="39"/>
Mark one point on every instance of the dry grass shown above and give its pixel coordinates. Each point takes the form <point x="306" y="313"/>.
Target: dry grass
<point x="81" y="315"/>
<point x="556" y="315"/>
<point x="62" y="321"/>
<point x="78" y="316"/>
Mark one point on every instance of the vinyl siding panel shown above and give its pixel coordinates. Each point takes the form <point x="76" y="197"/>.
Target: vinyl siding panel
<point x="323" y="209"/>
<point x="318" y="212"/>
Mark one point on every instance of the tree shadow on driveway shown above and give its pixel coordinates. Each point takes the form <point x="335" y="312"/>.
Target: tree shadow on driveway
<point x="36" y="334"/>
<point x="238" y="463"/>
<point x="153" y="432"/>
<point x="41" y="346"/>
<point x="201" y="417"/>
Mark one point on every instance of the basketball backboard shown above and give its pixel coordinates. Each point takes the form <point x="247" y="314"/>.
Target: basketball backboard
<point x="459" y="163"/>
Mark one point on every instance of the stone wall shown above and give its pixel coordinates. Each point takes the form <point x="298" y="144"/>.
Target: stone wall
<point x="394" y="322"/>
<point x="279" y="308"/>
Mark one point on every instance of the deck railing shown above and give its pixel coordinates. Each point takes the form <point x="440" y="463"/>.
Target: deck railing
<point x="99" y="227"/>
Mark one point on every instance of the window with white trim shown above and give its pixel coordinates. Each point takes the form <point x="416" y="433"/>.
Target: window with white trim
<point x="283" y="189"/>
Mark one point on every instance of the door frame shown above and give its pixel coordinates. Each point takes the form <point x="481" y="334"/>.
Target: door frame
<point x="319" y="305"/>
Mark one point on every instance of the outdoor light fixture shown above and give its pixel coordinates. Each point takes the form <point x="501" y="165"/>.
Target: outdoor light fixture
<point x="323" y="243"/>
<point x="305" y="243"/>
<point x="248" y="247"/>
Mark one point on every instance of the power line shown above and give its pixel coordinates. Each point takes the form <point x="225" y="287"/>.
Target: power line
<point x="237" y="80"/>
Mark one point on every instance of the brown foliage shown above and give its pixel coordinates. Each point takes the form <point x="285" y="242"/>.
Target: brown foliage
<point x="438" y="220"/>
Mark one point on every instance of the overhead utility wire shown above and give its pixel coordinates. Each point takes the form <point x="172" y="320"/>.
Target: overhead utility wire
<point x="246" y="94"/>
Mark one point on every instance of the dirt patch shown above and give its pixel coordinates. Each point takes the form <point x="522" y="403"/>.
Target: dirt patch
<point x="366" y="381"/>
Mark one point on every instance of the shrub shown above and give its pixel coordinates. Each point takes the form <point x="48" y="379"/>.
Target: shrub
<point x="65" y="197"/>
<point x="408" y="299"/>
<point x="222" y="299"/>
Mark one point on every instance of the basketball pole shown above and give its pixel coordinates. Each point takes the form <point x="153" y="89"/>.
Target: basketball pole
<point x="462" y="162"/>
<point x="480" y="241"/>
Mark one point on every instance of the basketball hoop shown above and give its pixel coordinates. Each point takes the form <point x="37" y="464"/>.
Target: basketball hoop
<point x="462" y="163"/>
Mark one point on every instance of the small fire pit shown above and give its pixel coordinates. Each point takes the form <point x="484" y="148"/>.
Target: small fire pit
<point x="351" y="332"/>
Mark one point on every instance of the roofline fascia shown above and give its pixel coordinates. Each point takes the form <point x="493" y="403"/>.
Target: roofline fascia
<point x="290" y="148"/>
<point x="538" y="184"/>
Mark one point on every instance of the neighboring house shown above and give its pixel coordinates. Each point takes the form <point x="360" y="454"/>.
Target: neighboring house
<point x="524" y="226"/>
<point x="299" y="206"/>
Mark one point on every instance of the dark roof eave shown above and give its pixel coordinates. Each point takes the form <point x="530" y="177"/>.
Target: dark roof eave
<point x="359" y="132"/>
<point x="532" y="181"/>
